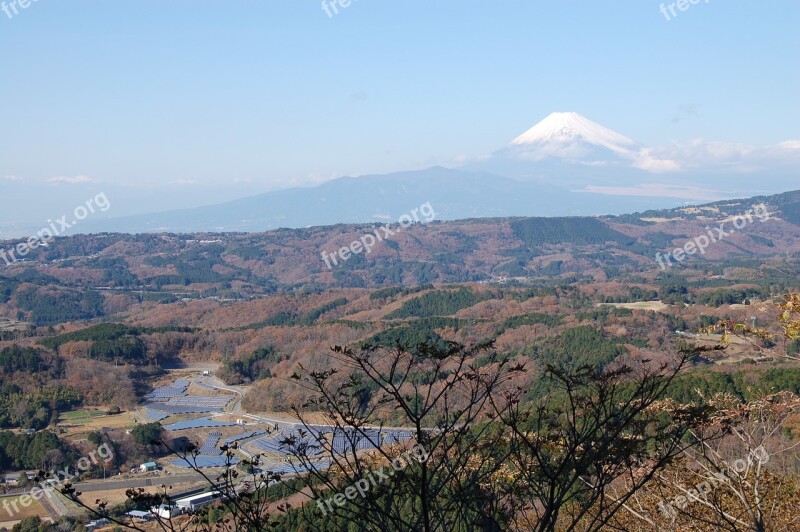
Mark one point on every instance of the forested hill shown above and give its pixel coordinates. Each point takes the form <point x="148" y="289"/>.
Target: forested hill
<point x="74" y="277"/>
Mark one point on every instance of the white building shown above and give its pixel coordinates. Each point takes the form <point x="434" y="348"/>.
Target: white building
<point x="148" y="466"/>
<point x="166" y="511"/>
<point x="194" y="502"/>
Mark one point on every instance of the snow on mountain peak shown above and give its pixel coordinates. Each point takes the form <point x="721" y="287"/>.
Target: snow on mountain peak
<point x="571" y="128"/>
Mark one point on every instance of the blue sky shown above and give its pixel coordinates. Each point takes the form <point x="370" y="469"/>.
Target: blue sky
<point x="245" y="96"/>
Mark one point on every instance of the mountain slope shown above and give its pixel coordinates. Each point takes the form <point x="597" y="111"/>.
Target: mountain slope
<point x="454" y="194"/>
<point x="532" y="249"/>
<point x="565" y="165"/>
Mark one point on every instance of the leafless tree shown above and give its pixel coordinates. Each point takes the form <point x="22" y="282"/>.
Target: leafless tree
<point x="442" y="394"/>
<point x="584" y="450"/>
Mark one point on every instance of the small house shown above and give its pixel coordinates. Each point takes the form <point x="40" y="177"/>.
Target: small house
<point x="140" y="515"/>
<point x="148" y="466"/>
<point x="97" y="523"/>
<point x="13" y="479"/>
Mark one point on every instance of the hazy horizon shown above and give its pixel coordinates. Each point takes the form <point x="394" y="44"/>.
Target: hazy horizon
<point x="163" y="111"/>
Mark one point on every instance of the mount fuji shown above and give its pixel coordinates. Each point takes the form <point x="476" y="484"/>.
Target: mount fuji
<point x="569" y="144"/>
<point x="564" y="165"/>
<point x="573" y="137"/>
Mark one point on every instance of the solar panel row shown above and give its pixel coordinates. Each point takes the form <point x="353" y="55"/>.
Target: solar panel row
<point x="154" y="415"/>
<point x="176" y="389"/>
<point x="200" y="400"/>
<point x="204" y="461"/>
<point x="172" y="409"/>
<point x="270" y="445"/>
<point x="199" y="423"/>
<point x="209" y="446"/>
<point x="163" y="393"/>
<point x="323" y="439"/>
<point x="296" y="469"/>
<point x="181" y="384"/>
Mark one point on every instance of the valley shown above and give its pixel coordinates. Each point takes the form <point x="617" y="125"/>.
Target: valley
<point x="196" y="339"/>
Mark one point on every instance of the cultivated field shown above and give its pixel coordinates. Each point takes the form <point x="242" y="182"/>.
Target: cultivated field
<point x="656" y="306"/>
<point x="115" y="497"/>
<point x="83" y="421"/>
<point x="12" y="511"/>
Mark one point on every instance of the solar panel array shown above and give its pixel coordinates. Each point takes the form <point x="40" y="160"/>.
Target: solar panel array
<point x="397" y="436"/>
<point x="270" y="444"/>
<point x="204" y="461"/>
<point x="341" y="441"/>
<point x="154" y="415"/>
<point x="209" y="446"/>
<point x="184" y="405"/>
<point x="163" y="393"/>
<point x="170" y="400"/>
<point x="344" y="441"/>
<point x="243" y="436"/>
<point x="274" y="443"/>
<point x="215" y="402"/>
<point x="170" y="410"/>
<point x="296" y="469"/>
<point x="198" y="423"/>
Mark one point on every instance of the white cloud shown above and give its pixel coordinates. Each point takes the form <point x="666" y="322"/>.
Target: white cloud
<point x="646" y="161"/>
<point x="789" y="145"/>
<point x="700" y="154"/>
<point x="71" y="180"/>
<point x="658" y="190"/>
<point x="313" y="178"/>
<point x="12" y="178"/>
<point x="184" y="182"/>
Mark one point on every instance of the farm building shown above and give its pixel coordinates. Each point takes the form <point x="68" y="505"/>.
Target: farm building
<point x="148" y="466"/>
<point x="198" y="501"/>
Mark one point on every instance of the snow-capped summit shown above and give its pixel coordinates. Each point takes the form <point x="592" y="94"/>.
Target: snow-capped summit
<point x="572" y="136"/>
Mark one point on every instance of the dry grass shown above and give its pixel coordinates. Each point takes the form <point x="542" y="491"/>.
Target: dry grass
<point x="116" y="421"/>
<point x="97" y="422"/>
<point x="117" y="496"/>
<point x="8" y="515"/>
<point x="640" y="305"/>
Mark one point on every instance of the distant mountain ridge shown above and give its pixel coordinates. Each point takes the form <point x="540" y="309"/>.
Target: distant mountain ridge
<point x="531" y="249"/>
<point x="564" y="165"/>
<point x="454" y="195"/>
